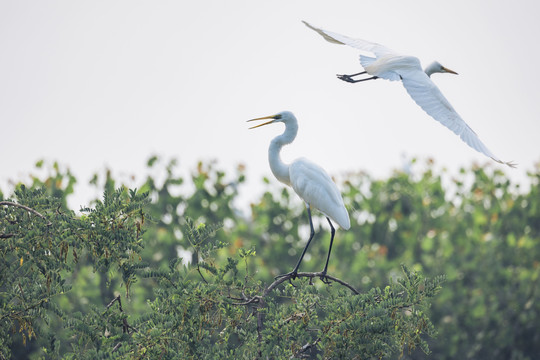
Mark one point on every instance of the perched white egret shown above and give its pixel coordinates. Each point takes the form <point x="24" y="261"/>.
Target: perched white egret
<point x="389" y="65"/>
<point x="308" y="180"/>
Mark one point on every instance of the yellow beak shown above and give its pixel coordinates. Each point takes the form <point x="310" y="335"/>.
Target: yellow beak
<point x="449" y="71"/>
<point x="273" y="117"/>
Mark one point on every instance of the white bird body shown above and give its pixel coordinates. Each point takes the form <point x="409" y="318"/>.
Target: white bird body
<point x="389" y="65"/>
<point x="321" y="193"/>
<point x="307" y="179"/>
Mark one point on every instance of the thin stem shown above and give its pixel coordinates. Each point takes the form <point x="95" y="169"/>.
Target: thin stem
<point x="9" y="203"/>
<point x="200" y="273"/>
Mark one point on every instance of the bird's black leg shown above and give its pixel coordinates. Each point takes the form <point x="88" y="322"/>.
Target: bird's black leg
<point x="360" y="73"/>
<point x="349" y="78"/>
<point x="333" y="232"/>
<point x="295" y="270"/>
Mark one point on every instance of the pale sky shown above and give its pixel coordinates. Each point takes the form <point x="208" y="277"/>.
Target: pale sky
<point x="98" y="84"/>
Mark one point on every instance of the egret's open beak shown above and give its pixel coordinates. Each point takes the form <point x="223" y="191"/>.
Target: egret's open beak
<point x="449" y="71"/>
<point x="273" y="117"/>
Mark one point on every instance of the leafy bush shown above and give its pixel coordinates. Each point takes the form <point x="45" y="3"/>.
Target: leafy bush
<point x="109" y="282"/>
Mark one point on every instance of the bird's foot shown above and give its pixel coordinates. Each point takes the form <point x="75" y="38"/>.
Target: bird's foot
<point x="323" y="277"/>
<point x="347" y="78"/>
<point x="290" y="275"/>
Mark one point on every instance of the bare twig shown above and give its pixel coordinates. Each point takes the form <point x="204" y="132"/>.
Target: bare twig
<point x="9" y="203"/>
<point x="115" y="300"/>
<point x="200" y="273"/>
<point x="254" y="299"/>
<point x="308" y="275"/>
<point x="22" y="292"/>
<point x="298" y="275"/>
<point x="125" y="326"/>
<point x="116" y="347"/>
<point x="307" y="347"/>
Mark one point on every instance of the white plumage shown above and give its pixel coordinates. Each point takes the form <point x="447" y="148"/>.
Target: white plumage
<point x="307" y="179"/>
<point x="317" y="189"/>
<point x="387" y="64"/>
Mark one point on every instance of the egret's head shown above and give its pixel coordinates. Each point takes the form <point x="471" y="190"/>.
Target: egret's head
<point x="436" y="67"/>
<point x="284" y="117"/>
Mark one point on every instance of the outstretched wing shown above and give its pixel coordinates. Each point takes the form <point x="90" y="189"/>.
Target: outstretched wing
<point x="389" y="65"/>
<point x="379" y="59"/>
<point x="316" y="188"/>
<point x="428" y="96"/>
<point x="376" y="49"/>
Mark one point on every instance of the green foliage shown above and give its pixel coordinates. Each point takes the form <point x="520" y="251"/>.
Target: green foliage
<point x="481" y="235"/>
<point x="42" y="244"/>
<point x="174" y="270"/>
<point x="58" y="184"/>
<point x="330" y="323"/>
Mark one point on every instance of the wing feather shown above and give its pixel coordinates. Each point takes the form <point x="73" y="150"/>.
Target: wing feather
<point x="428" y="96"/>
<point x="363" y="45"/>
<point x="389" y="65"/>
<point x="316" y="188"/>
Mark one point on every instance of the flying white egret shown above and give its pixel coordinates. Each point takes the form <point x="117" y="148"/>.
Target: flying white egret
<point x="389" y="65"/>
<point x="308" y="180"/>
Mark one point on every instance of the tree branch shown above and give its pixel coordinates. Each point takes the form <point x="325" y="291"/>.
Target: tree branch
<point x="307" y="347"/>
<point x="117" y="346"/>
<point x="308" y="275"/>
<point x="259" y="300"/>
<point x="9" y="203"/>
<point x="125" y="326"/>
<point x="200" y="273"/>
<point x="254" y="299"/>
<point x="115" y="300"/>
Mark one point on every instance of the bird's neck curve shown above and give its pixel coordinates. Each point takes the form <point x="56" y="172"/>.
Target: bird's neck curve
<point x="278" y="167"/>
<point x="431" y="69"/>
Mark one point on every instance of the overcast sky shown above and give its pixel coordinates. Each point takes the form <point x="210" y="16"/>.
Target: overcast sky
<point x="95" y="84"/>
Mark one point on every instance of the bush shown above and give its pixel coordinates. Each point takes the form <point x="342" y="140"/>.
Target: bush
<point x="109" y="282"/>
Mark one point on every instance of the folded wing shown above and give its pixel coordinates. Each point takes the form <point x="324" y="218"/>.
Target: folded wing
<point x="316" y="187"/>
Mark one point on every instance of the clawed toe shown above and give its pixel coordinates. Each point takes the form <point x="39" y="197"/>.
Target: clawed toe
<point x="346" y="78"/>
<point x="323" y="278"/>
<point x="291" y="275"/>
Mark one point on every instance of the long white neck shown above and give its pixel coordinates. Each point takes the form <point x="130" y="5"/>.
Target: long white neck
<point x="278" y="167"/>
<point x="432" y="69"/>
